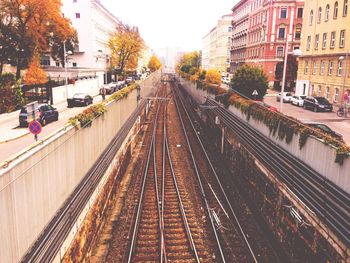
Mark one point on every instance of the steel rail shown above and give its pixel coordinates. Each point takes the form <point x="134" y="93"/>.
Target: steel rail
<point x="52" y="237"/>
<point x="313" y="189"/>
<point x="141" y="196"/>
<point x="182" y="209"/>
<point x="220" y="186"/>
<point x="199" y="180"/>
<point x="163" y="248"/>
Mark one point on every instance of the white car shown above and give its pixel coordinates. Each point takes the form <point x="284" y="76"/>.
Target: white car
<point x="287" y="96"/>
<point x="226" y="80"/>
<point x="298" y="100"/>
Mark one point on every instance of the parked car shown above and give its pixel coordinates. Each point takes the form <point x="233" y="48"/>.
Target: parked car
<point x="46" y="114"/>
<point x="226" y="80"/>
<point x="267" y="106"/>
<point x="324" y="128"/>
<point x="287" y="96"/>
<point x="109" y="88"/>
<point x="129" y="80"/>
<point x="298" y="100"/>
<point x="80" y="99"/>
<point x="121" y="84"/>
<point x="317" y="104"/>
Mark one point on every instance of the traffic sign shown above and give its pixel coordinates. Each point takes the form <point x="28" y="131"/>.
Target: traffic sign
<point x="255" y="92"/>
<point x="35" y="127"/>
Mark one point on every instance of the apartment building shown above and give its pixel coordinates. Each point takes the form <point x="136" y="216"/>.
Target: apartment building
<point x="240" y="22"/>
<point x="260" y="31"/>
<point x="324" y="68"/>
<point x="216" y="46"/>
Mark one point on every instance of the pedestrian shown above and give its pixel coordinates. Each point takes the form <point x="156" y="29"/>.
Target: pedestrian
<point x="103" y="93"/>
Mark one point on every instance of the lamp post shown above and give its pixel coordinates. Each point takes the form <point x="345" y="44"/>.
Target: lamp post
<point x="343" y="101"/>
<point x="66" y="54"/>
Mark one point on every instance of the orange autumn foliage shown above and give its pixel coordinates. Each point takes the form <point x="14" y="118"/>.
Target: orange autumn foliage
<point x="35" y="74"/>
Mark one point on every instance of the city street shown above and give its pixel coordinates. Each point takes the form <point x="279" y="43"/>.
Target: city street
<point x="338" y="124"/>
<point x="13" y="147"/>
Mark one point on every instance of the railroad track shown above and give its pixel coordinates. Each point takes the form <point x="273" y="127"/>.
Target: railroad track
<point x="325" y="199"/>
<point x="164" y="225"/>
<point x="235" y="245"/>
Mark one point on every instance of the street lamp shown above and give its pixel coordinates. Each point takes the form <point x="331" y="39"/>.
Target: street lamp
<point x="343" y="101"/>
<point x="66" y="55"/>
<point x="296" y="53"/>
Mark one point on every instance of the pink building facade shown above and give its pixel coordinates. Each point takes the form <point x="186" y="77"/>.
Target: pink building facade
<point x="270" y="23"/>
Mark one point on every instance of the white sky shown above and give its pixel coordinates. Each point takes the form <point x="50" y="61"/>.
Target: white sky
<point x="173" y="23"/>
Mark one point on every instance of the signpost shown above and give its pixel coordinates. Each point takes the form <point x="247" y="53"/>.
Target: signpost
<point x="255" y="93"/>
<point x="35" y="128"/>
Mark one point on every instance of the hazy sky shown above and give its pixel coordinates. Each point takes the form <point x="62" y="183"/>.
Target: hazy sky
<point x="175" y="23"/>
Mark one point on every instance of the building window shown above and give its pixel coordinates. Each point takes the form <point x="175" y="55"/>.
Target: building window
<point x="311" y="90"/>
<point x="317" y="37"/>
<point x="281" y="31"/>
<point x="57" y="64"/>
<point x="283" y="13"/>
<point x="300" y="13"/>
<point x="326" y="18"/>
<point x="324" y="42"/>
<point x="319" y="92"/>
<point x="342" y="38"/>
<point x="319" y="16"/>
<point x="335" y="14"/>
<point x="298" y="32"/>
<point x="74" y="64"/>
<point x="311" y="18"/>
<point x="340" y="67"/>
<point x="345" y="8"/>
<point x="306" y="68"/>
<point x="308" y="43"/>
<point x="314" y="68"/>
<point x="77" y="15"/>
<point x="280" y="52"/>
<point x="45" y="60"/>
<point x="336" y="94"/>
<point x="332" y="39"/>
<point x="327" y="93"/>
<point x="322" y="68"/>
<point x="330" y="68"/>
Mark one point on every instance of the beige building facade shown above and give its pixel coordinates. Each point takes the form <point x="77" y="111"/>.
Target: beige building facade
<point x="216" y="46"/>
<point x="324" y="68"/>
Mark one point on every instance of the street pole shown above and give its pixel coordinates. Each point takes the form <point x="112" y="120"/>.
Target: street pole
<point x="290" y="33"/>
<point x="344" y="80"/>
<point x="65" y="67"/>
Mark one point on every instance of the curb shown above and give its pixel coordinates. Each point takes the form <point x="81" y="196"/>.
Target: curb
<point x="15" y="138"/>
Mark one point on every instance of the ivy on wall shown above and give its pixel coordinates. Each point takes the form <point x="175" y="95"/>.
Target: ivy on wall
<point x="280" y="126"/>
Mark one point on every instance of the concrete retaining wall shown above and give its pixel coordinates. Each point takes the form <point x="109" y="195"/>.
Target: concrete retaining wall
<point x="36" y="185"/>
<point x="315" y="153"/>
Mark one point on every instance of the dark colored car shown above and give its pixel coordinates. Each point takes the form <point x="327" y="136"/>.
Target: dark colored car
<point x="324" y="128"/>
<point x="46" y="114"/>
<point x="317" y="104"/>
<point x="80" y="99"/>
<point x="110" y="88"/>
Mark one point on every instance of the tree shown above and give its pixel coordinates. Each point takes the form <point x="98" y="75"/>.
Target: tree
<point x="291" y="73"/>
<point x="11" y="94"/>
<point x="125" y="45"/>
<point x="154" y="63"/>
<point x="28" y="25"/>
<point x="35" y="74"/>
<point x="189" y="63"/>
<point x="213" y="76"/>
<point x="246" y="79"/>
